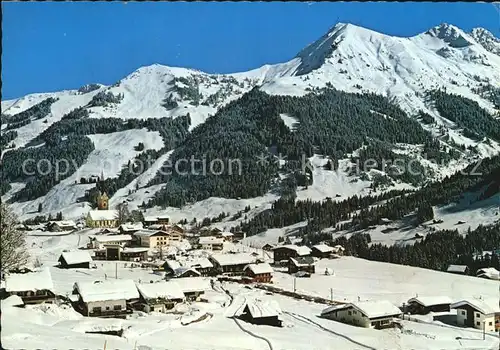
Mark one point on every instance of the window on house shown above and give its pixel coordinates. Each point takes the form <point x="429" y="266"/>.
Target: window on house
<point x="96" y="309"/>
<point x="373" y="324"/>
<point x="354" y="312"/>
<point x="463" y="312"/>
<point x="478" y="323"/>
<point x="107" y="308"/>
<point x="477" y="315"/>
<point x="349" y="313"/>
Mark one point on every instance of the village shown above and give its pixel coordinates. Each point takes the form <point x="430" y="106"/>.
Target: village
<point x="154" y="266"/>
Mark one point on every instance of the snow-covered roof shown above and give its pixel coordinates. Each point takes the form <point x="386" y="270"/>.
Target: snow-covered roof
<point x="302" y="261"/>
<point x="194" y="284"/>
<point x="173" y="264"/>
<point x="233" y="259"/>
<point x="98" y="215"/>
<point x="371" y="309"/>
<point x="134" y="250"/>
<point x="431" y="300"/>
<point x="204" y="263"/>
<point x="30" y="281"/>
<point x="457" y="268"/>
<point x="489" y="272"/>
<point x="107" y="290"/>
<point x="131" y="227"/>
<point x="149" y="233"/>
<point x="485" y="306"/>
<point x="113" y="238"/>
<point x="168" y="290"/>
<point x="67" y="223"/>
<point x="259" y="308"/>
<point x="301" y="250"/>
<point x="260" y="268"/>
<point x="323" y="248"/>
<point x="226" y="234"/>
<point x="13" y="300"/>
<point x="210" y="240"/>
<point x="150" y="218"/>
<point x="183" y="269"/>
<point x="76" y="257"/>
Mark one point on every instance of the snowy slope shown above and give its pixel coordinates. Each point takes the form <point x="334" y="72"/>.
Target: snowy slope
<point x="349" y="57"/>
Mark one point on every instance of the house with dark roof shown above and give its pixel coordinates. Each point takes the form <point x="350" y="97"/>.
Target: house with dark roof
<point x="302" y="263"/>
<point x="423" y="305"/>
<point x="75" y="259"/>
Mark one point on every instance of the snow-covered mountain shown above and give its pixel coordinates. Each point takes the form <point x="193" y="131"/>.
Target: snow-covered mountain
<point x="348" y="57"/>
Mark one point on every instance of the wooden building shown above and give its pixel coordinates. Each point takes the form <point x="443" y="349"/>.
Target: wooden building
<point x="184" y="272"/>
<point x="160" y="296"/>
<point x="303" y="263"/>
<point x="32" y="287"/>
<point x="369" y="314"/>
<point x="211" y="243"/>
<point x="59" y="226"/>
<point x="231" y="264"/>
<point x="322" y="251"/>
<point x="193" y="287"/>
<point x="117" y="252"/>
<point x="458" y="269"/>
<point x="259" y="273"/>
<point x="262" y="313"/>
<point x="101" y="241"/>
<point x="426" y="304"/>
<point x="130" y="228"/>
<point x="75" y="259"/>
<point x="110" y="298"/>
<point x="285" y="252"/>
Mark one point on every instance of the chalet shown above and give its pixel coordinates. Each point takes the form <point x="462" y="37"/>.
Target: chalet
<point x="458" y="269"/>
<point x="102" y="218"/>
<point x="162" y="220"/>
<point x="489" y="273"/>
<point x="33" y="287"/>
<point x="193" y="287"/>
<point x="262" y="313"/>
<point x="231" y="264"/>
<point x="225" y="235"/>
<point x="169" y="266"/>
<point x="58" y="226"/>
<point x="152" y="238"/>
<point x="285" y="252"/>
<point x="150" y="220"/>
<point x="99" y="242"/>
<point x="426" y="304"/>
<point x="176" y="233"/>
<point x="268" y="247"/>
<point x="369" y="314"/>
<point x="160" y="296"/>
<point x="211" y="243"/>
<point x="259" y="273"/>
<point x="338" y="249"/>
<point x="293" y="240"/>
<point x="117" y="252"/>
<point x="202" y="265"/>
<point x="130" y="228"/>
<point x="478" y="313"/>
<point x="75" y="259"/>
<point x="110" y="298"/>
<point x="321" y="251"/>
<point x="238" y="236"/>
<point x="301" y="264"/>
<point x="183" y="272"/>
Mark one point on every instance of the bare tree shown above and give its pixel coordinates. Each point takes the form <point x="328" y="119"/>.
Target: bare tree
<point x="13" y="252"/>
<point x="123" y="214"/>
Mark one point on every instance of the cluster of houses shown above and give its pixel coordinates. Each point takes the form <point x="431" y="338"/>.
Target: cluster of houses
<point x="108" y="298"/>
<point x="478" y="313"/>
<point x="487" y="272"/>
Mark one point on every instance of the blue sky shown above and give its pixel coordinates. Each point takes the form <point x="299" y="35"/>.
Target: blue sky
<point x="55" y="46"/>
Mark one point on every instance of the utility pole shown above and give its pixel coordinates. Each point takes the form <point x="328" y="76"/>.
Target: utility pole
<point x="294" y="284"/>
<point x="331" y="294"/>
<point x="116" y="271"/>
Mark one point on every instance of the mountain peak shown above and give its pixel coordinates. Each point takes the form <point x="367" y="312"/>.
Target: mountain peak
<point x="450" y="34"/>
<point x="486" y="39"/>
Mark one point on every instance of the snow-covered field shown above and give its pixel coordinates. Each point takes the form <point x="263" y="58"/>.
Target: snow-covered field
<point x="52" y="326"/>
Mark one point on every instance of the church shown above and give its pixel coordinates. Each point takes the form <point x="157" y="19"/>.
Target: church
<point x="103" y="217"/>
